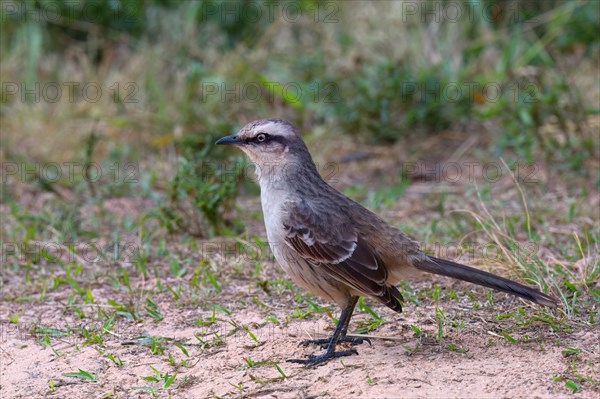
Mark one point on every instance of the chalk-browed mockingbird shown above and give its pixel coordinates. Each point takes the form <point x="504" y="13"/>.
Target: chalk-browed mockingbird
<point x="332" y="246"/>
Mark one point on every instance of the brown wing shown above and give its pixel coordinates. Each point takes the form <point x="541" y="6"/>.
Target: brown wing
<point x="328" y="241"/>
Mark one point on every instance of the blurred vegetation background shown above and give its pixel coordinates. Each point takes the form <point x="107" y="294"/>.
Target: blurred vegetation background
<point x="108" y="115"/>
<point x="109" y="111"/>
<point x="154" y="82"/>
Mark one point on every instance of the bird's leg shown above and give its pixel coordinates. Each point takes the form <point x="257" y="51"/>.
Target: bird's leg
<point x="338" y="333"/>
<point x="323" y="342"/>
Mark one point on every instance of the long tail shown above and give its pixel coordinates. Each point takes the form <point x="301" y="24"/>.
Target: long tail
<point x="475" y="276"/>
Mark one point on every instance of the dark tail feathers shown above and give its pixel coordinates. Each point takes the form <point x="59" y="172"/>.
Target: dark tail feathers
<point x="475" y="276"/>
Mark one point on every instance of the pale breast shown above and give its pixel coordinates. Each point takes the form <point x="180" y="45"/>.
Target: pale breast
<point x="307" y="276"/>
<point x="272" y="201"/>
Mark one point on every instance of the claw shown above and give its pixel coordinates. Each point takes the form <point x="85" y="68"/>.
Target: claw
<point x="357" y="340"/>
<point x="317" y="359"/>
<point x="323" y="342"/>
<point x="329" y="344"/>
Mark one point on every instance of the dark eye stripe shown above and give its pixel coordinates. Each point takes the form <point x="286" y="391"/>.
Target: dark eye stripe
<point x="267" y="138"/>
<point x="279" y="139"/>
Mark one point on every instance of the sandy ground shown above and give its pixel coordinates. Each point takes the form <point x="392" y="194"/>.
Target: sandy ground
<point x="399" y="366"/>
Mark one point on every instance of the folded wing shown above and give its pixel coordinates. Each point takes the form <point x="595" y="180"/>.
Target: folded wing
<point x="335" y="246"/>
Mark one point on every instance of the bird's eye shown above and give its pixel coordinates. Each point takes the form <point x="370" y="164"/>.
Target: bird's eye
<point x="261" y="137"/>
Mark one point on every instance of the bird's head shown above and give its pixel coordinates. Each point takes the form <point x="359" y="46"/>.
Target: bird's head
<point x="272" y="144"/>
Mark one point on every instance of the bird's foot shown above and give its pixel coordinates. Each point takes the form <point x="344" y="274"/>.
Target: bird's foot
<point x="328" y="355"/>
<point x="323" y="342"/>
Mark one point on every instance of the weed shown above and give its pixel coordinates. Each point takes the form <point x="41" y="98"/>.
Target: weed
<point x="199" y="202"/>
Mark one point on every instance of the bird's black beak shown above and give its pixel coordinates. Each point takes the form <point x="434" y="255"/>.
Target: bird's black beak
<point x="229" y="140"/>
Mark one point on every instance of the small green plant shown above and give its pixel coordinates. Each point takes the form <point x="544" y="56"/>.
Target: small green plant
<point x="455" y="348"/>
<point x="440" y="315"/>
<point x="81" y="374"/>
<point x="364" y="326"/>
<point x="116" y="360"/>
<point x="509" y="338"/>
<point x="251" y="363"/>
<point x="573" y="386"/>
<point x="152" y="309"/>
<point x="164" y="380"/>
<point x="418" y="332"/>
<point x="201" y="195"/>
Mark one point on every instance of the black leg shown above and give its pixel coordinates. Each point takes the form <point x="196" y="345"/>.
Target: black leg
<point x="352" y="305"/>
<point x="324" y="342"/>
<point x="339" y="334"/>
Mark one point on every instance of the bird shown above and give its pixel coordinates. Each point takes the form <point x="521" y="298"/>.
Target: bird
<point x="331" y="245"/>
